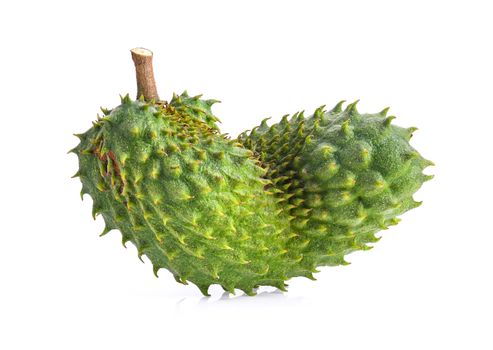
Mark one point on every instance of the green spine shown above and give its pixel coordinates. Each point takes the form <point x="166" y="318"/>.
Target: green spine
<point x="191" y="200"/>
<point x="346" y="176"/>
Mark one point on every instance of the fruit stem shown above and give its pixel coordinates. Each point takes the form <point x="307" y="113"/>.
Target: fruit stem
<point x="146" y="85"/>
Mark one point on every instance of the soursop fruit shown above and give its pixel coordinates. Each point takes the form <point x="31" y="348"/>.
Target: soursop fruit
<point x="346" y="176"/>
<point x="190" y="199"/>
<point x="274" y="204"/>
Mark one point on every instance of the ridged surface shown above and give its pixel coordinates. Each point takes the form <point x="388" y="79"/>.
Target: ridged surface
<point x="274" y="204"/>
<point x="347" y="175"/>
<point x="191" y="200"/>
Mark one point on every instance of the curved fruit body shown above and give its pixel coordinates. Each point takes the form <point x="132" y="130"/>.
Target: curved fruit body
<point x="243" y="213"/>
<point x="347" y="176"/>
<point x="191" y="200"/>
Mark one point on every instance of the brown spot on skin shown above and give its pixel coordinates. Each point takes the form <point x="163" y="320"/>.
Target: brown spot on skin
<point x="110" y="156"/>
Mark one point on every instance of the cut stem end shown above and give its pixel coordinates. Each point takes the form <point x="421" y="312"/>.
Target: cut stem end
<point x="146" y="85"/>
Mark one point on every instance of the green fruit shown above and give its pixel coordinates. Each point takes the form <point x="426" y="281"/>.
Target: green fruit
<point x="347" y="175"/>
<point x="243" y="213"/>
<point x="190" y="199"/>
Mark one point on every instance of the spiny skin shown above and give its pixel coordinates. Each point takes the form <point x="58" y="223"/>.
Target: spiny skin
<point x="195" y="108"/>
<point x="347" y="176"/>
<point x="191" y="200"/>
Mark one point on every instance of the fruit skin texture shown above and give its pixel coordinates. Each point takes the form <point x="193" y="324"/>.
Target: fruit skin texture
<point x="347" y="175"/>
<point x="271" y="205"/>
<point x="188" y="198"/>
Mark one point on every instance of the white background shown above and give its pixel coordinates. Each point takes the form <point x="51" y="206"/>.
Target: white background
<point x="426" y="285"/>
